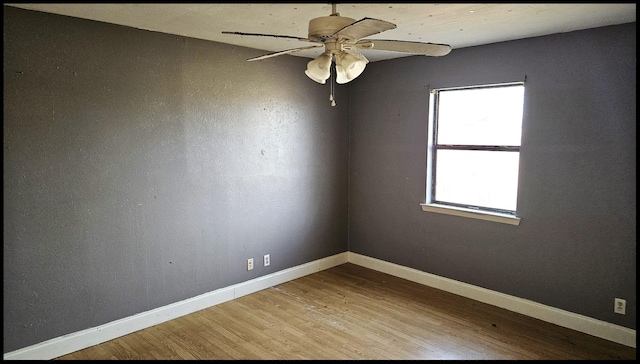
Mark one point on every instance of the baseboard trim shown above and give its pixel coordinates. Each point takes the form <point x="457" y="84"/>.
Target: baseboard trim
<point x="587" y="325"/>
<point x="67" y="344"/>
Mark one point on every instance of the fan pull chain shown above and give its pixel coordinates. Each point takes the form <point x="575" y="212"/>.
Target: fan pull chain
<point x="333" y="101"/>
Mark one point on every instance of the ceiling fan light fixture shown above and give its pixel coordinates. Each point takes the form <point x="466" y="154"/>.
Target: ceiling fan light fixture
<point x="319" y="69"/>
<point x="342" y="37"/>
<point x="348" y="67"/>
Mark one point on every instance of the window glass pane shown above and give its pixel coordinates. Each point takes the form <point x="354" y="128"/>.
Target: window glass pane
<point x="481" y="116"/>
<point x="479" y="178"/>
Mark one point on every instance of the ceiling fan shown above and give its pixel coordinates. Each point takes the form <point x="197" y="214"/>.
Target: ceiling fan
<point x="341" y="38"/>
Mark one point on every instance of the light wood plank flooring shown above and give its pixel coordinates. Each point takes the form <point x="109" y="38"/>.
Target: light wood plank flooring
<point x="351" y="312"/>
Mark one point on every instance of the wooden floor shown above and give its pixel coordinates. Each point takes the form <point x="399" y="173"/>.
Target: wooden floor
<point x="351" y="312"/>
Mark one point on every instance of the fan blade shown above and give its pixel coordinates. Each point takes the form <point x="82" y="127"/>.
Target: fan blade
<point x="354" y="52"/>
<point x="275" y="54"/>
<point x="364" y="28"/>
<point x="271" y="35"/>
<point x="425" y="49"/>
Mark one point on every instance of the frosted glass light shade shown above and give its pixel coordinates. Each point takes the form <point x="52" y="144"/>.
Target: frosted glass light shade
<point x="348" y="67"/>
<point x="318" y="69"/>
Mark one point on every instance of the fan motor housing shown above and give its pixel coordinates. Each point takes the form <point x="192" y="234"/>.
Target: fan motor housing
<point x="324" y="27"/>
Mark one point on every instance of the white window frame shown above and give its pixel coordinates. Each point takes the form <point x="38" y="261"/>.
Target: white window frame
<point x="475" y="212"/>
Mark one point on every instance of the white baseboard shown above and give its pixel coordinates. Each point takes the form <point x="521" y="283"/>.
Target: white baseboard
<point x="584" y="324"/>
<point x="66" y="344"/>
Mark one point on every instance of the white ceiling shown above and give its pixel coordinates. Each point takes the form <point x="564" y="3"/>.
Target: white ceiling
<point x="459" y="25"/>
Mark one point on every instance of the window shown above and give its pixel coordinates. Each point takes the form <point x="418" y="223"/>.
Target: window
<point x="474" y="151"/>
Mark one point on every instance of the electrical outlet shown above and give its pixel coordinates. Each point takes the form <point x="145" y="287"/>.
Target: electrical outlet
<point x="267" y="260"/>
<point x="250" y="264"/>
<point x="620" y="306"/>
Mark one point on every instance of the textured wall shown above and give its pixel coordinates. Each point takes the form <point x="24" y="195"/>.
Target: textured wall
<point x="141" y="169"/>
<point x="575" y="248"/>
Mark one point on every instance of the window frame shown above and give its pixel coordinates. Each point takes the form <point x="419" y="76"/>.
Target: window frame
<point x="459" y="209"/>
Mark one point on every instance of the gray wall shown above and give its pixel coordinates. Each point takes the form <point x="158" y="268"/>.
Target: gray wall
<point x="575" y="248"/>
<point x="141" y="169"/>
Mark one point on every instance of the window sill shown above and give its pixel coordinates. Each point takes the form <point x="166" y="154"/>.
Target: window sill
<point x="473" y="214"/>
